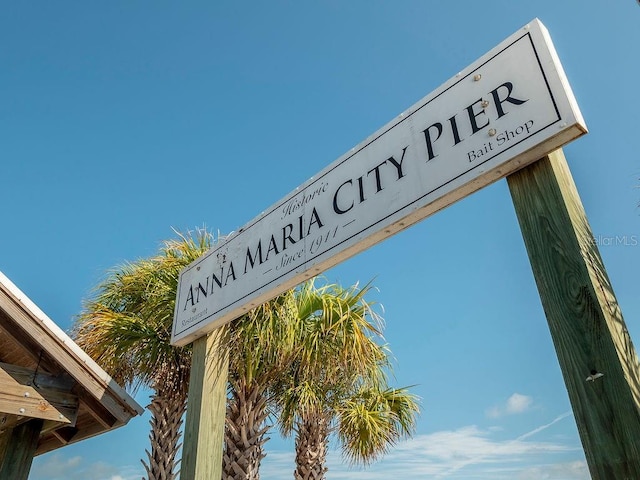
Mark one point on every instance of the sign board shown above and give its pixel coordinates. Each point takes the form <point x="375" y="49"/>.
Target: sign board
<point x="503" y="112"/>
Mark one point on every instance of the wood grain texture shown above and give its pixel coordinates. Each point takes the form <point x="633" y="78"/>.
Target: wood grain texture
<point x="206" y="409"/>
<point x="59" y="358"/>
<point x="16" y="461"/>
<point x="586" y="323"/>
<point x="27" y="393"/>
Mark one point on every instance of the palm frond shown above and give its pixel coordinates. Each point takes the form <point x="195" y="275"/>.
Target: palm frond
<point x="373" y="420"/>
<point x="126" y="324"/>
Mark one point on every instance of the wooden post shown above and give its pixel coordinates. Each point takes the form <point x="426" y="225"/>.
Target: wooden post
<point x="588" y="331"/>
<point x="19" y="447"/>
<point x="206" y="409"/>
<point x="5" y="435"/>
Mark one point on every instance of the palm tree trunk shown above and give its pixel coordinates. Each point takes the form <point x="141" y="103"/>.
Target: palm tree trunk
<point x="167" y="413"/>
<point x="244" y="434"/>
<point x="312" y="440"/>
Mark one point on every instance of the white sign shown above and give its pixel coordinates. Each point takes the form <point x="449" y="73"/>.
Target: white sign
<point x="506" y="110"/>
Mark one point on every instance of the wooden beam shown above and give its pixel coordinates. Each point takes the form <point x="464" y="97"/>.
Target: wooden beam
<point x="587" y="327"/>
<point x="28" y="376"/>
<point x="28" y="351"/>
<point x="65" y="434"/>
<point x="21" y="444"/>
<point x="97" y="411"/>
<point x="30" y="332"/>
<point x="206" y="408"/>
<point x="10" y="421"/>
<point x="51" y="441"/>
<point x="26" y="393"/>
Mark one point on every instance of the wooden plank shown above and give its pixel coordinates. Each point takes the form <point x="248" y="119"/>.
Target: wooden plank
<point x="206" y="408"/>
<point x="15" y="464"/>
<point x="21" y="394"/>
<point x="28" y="330"/>
<point x="7" y="422"/>
<point x="98" y="411"/>
<point x="28" y="353"/>
<point x="65" y="434"/>
<point x="587" y="327"/>
<point x="51" y="441"/>
<point x="29" y="376"/>
<point x="31" y="334"/>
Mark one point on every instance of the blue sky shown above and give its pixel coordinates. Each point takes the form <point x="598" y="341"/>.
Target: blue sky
<point x="122" y="120"/>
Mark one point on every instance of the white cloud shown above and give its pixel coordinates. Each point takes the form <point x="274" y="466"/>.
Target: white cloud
<point x="516" y="403"/>
<point x="58" y="467"/>
<point x="465" y="453"/>
<point x="577" y="470"/>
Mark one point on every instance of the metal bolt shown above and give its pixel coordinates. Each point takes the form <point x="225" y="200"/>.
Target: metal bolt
<point x="485" y="103"/>
<point x="477" y="77"/>
<point x="26" y="394"/>
<point x="492" y="132"/>
<point x="22" y="410"/>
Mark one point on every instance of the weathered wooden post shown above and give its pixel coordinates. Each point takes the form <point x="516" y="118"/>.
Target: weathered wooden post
<point x="585" y="320"/>
<point x="17" y="449"/>
<point x="206" y="409"/>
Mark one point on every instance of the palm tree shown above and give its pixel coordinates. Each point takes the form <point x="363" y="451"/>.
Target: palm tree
<point x="373" y="419"/>
<point x="337" y="382"/>
<point x="368" y="421"/>
<point x="126" y="328"/>
<point x="260" y="347"/>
